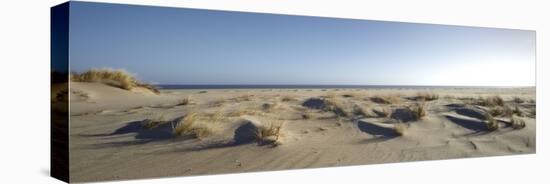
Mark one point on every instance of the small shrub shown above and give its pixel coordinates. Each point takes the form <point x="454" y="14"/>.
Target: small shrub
<point x="306" y="116"/>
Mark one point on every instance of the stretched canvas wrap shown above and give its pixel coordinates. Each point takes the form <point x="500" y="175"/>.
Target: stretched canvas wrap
<point x="143" y="92"/>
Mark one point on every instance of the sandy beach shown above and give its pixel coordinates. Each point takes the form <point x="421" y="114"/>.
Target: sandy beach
<point x="136" y="133"/>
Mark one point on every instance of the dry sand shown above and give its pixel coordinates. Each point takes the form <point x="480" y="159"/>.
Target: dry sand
<point x="108" y="140"/>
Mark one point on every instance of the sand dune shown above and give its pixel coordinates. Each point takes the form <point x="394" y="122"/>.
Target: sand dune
<point x="130" y="134"/>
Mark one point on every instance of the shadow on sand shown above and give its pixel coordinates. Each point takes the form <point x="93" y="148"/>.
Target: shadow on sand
<point x="467" y="111"/>
<point x="381" y="133"/>
<point x="402" y="114"/>
<point x="471" y="124"/>
<point x="143" y="135"/>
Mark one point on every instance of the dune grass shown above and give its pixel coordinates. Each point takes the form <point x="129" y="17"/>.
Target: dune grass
<point x="116" y="78"/>
<point x="505" y="111"/>
<point x="335" y="106"/>
<point x="517" y="111"/>
<point x="384" y="112"/>
<point x="190" y="126"/>
<point x="386" y="99"/>
<point x="518" y="100"/>
<point x="269" y="134"/>
<point x="184" y="101"/>
<point x="426" y="96"/>
<point x="490" y="101"/>
<point x="517" y="123"/>
<point x="400" y="128"/>
<point x="287" y="99"/>
<point x="154" y="122"/>
<point x="360" y="111"/>
<point x="418" y="111"/>
<point x="490" y="122"/>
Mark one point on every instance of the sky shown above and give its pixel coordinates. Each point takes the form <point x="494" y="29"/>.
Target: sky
<point x="188" y="46"/>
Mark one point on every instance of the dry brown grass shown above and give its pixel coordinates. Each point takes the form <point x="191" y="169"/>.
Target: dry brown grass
<point x="386" y="99"/>
<point x="496" y="111"/>
<point x="190" y="126"/>
<point x="517" y="123"/>
<point x="490" y="101"/>
<point x="268" y="107"/>
<point x="360" y="111"/>
<point x="241" y="111"/>
<point x="184" y="101"/>
<point x="503" y="111"/>
<point x="270" y="133"/>
<point x="490" y="122"/>
<point x="518" y="100"/>
<point x="418" y="111"/>
<point x="116" y="78"/>
<point x="382" y="112"/>
<point x="287" y="99"/>
<point x="306" y="116"/>
<point x="426" y="96"/>
<point x="330" y="95"/>
<point x="335" y="106"/>
<point x="517" y="111"/>
<point x="154" y="122"/>
<point x="400" y="128"/>
<point x="246" y="97"/>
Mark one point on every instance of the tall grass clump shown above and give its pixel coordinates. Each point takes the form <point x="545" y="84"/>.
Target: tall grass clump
<point x="426" y="96"/>
<point x="184" y="101"/>
<point x="269" y="134"/>
<point x="385" y="99"/>
<point x="335" y="107"/>
<point x="518" y="100"/>
<point x="418" y="111"/>
<point x="189" y="126"/>
<point x="154" y="122"/>
<point x="360" y="111"/>
<point x="382" y="112"/>
<point x="490" y="101"/>
<point x="490" y="122"/>
<point x="400" y="128"/>
<point x="517" y="123"/>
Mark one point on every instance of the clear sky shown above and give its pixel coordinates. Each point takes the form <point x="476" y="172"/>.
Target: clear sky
<point x="188" y="46"/>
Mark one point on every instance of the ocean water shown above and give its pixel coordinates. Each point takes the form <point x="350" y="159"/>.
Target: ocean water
<point x="247" y="86"/>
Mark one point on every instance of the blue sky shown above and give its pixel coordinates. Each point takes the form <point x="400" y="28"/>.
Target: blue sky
<point x="189" y="46"/>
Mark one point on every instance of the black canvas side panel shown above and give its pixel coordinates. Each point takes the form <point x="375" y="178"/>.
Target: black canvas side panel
<point x="59" y="128"/>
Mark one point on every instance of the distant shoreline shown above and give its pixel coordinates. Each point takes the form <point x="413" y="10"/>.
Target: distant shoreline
<point x="282" y="86"/>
